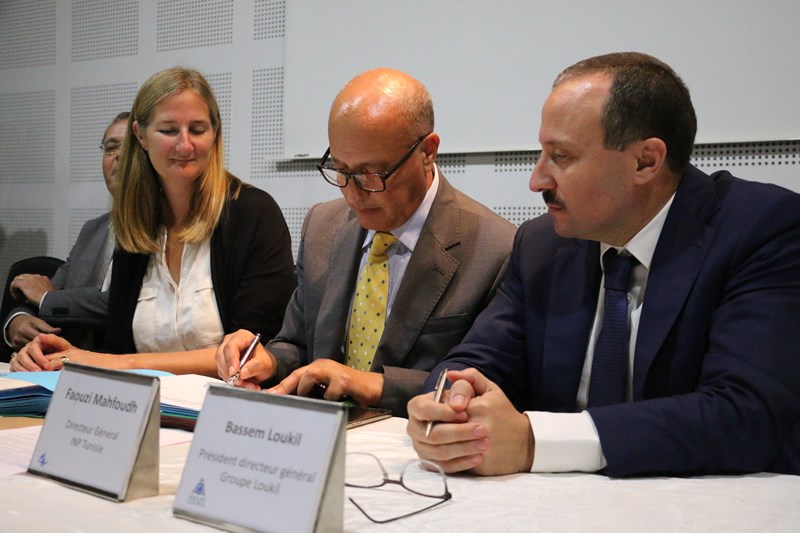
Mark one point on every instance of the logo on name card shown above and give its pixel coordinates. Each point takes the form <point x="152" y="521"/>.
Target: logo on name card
<point x="43" y="459"/>
<point x="198" y="495"/>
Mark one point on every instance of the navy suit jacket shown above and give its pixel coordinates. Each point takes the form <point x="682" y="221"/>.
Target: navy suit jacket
<point x="716" y="374"/>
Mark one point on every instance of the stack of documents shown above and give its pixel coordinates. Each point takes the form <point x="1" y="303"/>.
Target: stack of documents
<point x="23" y="397"/>
<point x="29" y="394"/>
<point x="182" y="398"/>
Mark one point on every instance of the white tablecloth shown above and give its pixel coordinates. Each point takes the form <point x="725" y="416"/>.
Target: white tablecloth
<point x="522" y="502"/>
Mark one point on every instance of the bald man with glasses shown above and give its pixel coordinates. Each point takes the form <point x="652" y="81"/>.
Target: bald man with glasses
<point x="392" y="275"/>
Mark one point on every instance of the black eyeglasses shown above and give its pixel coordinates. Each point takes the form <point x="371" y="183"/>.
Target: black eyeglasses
<point x="421" y="477"/>
<point x="366" y="181"/>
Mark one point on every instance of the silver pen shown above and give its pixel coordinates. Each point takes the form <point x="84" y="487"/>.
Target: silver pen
<point x="437" y="397"/>
<point x="250" y="349"/>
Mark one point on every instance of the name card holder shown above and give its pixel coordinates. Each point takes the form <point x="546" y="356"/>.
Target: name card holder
<point x="101" y="433"/>
<point x="262" y="462"/>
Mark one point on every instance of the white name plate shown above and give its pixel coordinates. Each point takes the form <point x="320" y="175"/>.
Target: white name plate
<point x="261" y="462"/>
<point x="101" y="433"/>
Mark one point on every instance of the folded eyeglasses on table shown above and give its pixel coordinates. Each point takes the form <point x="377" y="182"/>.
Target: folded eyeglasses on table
<point x="420" y="477"/>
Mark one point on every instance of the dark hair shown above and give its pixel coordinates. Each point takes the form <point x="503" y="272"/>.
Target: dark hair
<point x="125" y="115"/>
<point x="647" y="99"/>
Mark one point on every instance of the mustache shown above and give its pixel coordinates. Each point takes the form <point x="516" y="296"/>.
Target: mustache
<point x="550" y="198"/>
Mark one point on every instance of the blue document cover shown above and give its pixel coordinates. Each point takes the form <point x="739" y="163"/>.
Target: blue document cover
<point x="35" y="389"/>
<point x="32" y="395"/>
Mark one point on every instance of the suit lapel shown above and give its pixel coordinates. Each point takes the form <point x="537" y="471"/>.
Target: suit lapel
<point x="105" y="251"/>
<point x="341" y="276"/>
<point x="88" y="267"/>
<point x="682" y="247"/>
<point x="575" y="284"/>
<point x="426" y="278"/>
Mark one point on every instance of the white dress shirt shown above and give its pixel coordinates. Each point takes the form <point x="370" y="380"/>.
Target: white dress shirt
<point x="568" y="442"/>
<point x="175" y="317"/>
<point x="407" y="236"/>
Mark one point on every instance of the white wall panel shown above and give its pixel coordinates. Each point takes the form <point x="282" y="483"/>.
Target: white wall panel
<point x="27" y="33"/>
<point x="66" y="68"/>
<point x="104" y="29"/>
<point x="490" y="64"/>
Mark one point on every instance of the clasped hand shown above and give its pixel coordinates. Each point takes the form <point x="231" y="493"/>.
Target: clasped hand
<point x="477" y="428"/>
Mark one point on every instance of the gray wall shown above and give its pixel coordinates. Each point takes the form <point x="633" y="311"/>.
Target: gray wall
<point x="66" y="68"/>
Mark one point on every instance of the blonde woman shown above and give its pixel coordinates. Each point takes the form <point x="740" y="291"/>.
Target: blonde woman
<point x="199" y="253"/>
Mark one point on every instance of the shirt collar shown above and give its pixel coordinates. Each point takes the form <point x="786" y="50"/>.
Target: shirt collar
<point x="642" y="246"/>
<point x="408" y="234"/>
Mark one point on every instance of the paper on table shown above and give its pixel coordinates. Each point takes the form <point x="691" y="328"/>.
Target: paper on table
<point x="182" y="398"/>
<point x="10" y="384"/>
<point x="16" y="449"/>
<point x="186" y="391"/>
<point x="45" y="379"/>
<point x="168" y="437"/>
<point x="17" y="445"/>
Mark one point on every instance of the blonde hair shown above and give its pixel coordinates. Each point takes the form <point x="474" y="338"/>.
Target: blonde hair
<point x="139" y="204"/>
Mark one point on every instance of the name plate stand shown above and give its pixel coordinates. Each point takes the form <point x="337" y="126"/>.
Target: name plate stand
<point x="262" y="462"/>
<point x="101" y="433"/>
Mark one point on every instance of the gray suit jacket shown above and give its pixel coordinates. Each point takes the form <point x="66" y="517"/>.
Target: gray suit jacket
<point x="458" y="262"/>
<point x="78" y="305"/>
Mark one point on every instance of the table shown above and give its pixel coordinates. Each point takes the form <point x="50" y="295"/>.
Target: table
<point x="521" y="502"/>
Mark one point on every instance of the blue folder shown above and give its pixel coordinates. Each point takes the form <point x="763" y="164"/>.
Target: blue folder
<point x="32" y="397"/>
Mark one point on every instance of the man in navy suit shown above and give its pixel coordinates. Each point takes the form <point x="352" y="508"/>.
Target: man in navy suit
<point x="710" y="373"/>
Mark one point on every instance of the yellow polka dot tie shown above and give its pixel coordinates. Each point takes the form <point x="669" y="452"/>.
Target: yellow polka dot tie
<point x="369" y="304"/>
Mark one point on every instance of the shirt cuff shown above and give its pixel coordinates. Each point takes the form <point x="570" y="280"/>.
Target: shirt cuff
<point x="41" y="300"/>
<point x="565" y="442"/>
<point x="5" y="327"/>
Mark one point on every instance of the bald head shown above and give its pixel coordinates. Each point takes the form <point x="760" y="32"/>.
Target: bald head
<point x="381" y="122"/>
<point x="385" y="99"/>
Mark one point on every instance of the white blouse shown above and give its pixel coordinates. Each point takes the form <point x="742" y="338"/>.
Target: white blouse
<point x="174" y="317"/>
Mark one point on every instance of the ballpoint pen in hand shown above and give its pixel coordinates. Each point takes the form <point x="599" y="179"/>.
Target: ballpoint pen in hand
<point x="250" y="349"/>
<point x="437" y="396"/>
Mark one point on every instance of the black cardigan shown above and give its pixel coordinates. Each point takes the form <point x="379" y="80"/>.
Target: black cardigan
<point x="251" y="269"/>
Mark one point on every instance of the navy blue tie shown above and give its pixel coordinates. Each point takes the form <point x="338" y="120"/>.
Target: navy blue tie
<point x="610" y="362"/>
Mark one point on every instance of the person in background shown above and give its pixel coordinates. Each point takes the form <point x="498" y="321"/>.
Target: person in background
<point x="429" y="259"/>
<point x="649" y="323"/>
<point x="199" y="253"/>
<point x="74" y="302"/>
